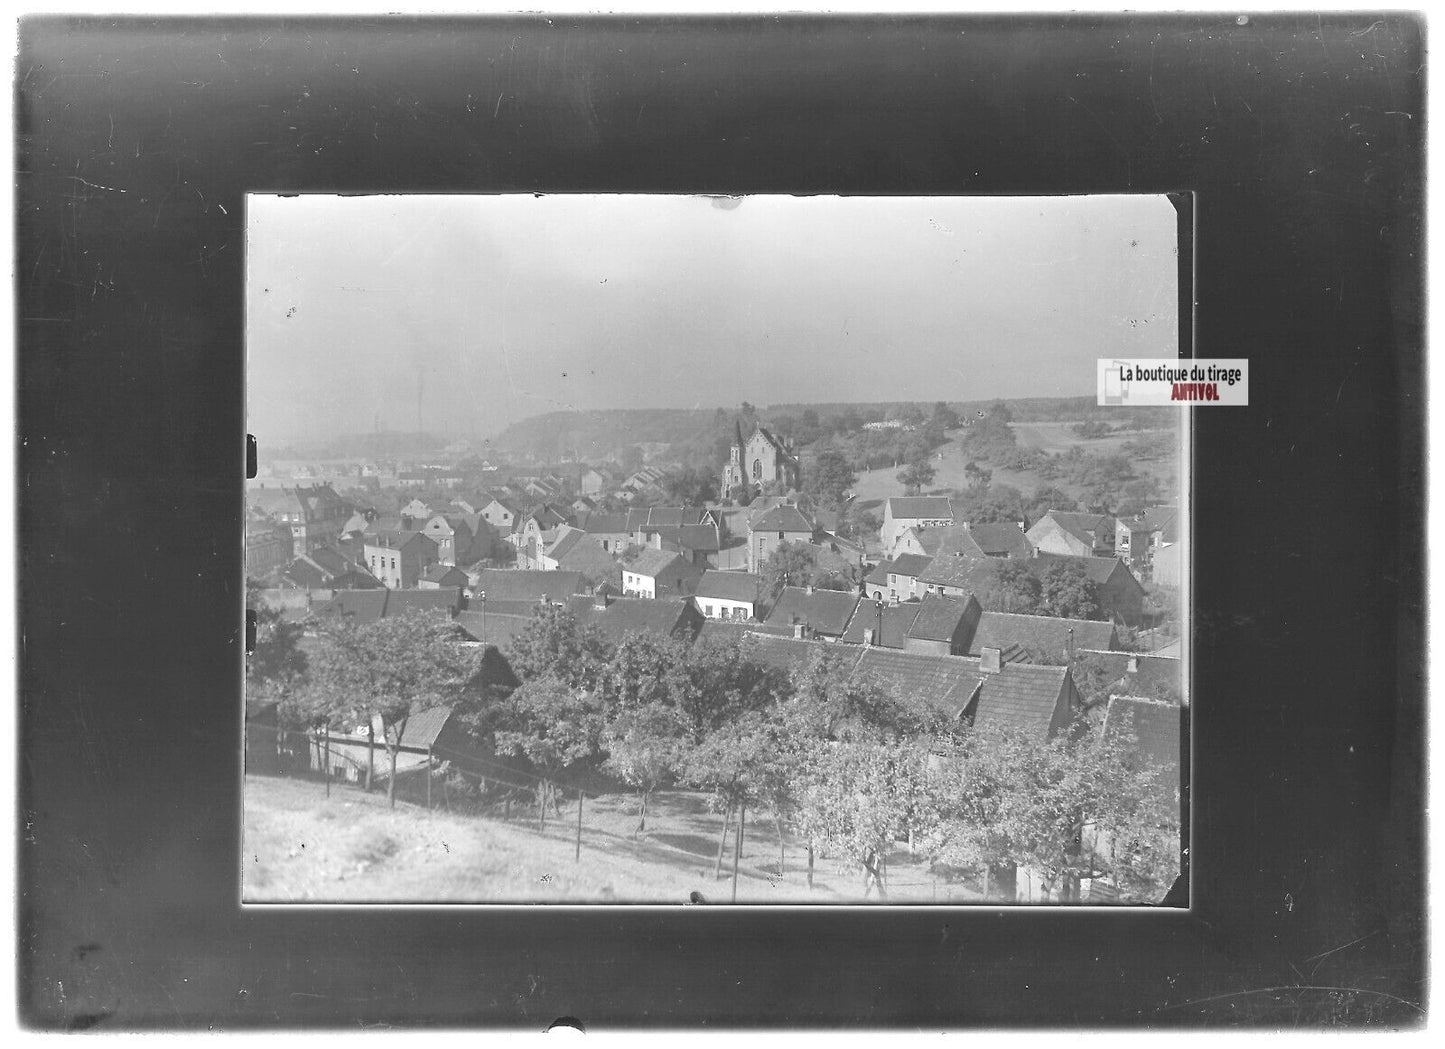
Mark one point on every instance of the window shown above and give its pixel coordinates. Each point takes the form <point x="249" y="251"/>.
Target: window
<point x="707" y="611"/>
<point x="780" y="537"/>
<point x="757" y="469"/>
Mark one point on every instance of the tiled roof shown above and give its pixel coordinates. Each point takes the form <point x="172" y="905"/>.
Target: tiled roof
<point x="1156" y="725"/>
<point x="920" y="508"/>
<point x="1019" y="696"/>
<point x="970" y="574"/>
<point x="910" y="564"/>
<point x="729" y="586"/>
<point x="608" y="524"/>
<point x="628" y="615"/>
<point x="1081" y="526"/>
<point x="939" y="618"/>
<point x="436" y="573"/>
<point x="1045" y="638"/>
<point x="896" y="621"/>
<point x="879" y="574"/>
<point x="1022" y="696"/>
<point x="824" y="611"/>
<point x="422" y="728"/>
<point x="367" y="606"/>
<point x="587" y="557"/>
<point x="652" y="563"/>
<point x="564" y="545"/>
<point x="1155" y="677"/>
<point x="492" y="628"/>
<point x="785" y="518"/>
<point x="701" y="537"/>
<point x="728" y="630"/>
<point x="503" y="584"/>
<point x="955" y="539"/>
<point x="1001" y="539"/>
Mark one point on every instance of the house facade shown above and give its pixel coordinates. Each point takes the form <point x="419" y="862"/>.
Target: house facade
<point x="902" y="513"/>
<point x="734" y="596"/>
<point x="398" y="559"/>
<point x="1073" y="534"/>
<point x="772" y="528"/>
<point x="660" y="573"/>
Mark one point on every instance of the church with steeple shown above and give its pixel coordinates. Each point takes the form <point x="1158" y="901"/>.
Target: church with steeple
<point x="761" y="460"/>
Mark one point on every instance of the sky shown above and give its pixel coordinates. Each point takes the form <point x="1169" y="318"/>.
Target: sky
<point x="462" y="314"/>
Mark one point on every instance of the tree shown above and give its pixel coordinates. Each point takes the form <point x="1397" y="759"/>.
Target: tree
<point x="691" y="487"/>
<point x="276" y="668"/>
<point x="1066" y="591"/>
<point x="389" y="670"/>
<point x="858" y="797"/>
<point x="830" y="477"/>
<point x="944" y="417"/>
<point x="978" y="476"/>
<point x="917" y="475"/>
<point x="554" y="723"/>
<point x="1013" y="589"/>
<point x="554" y="643"/>
<point x="790" y="564"/>
<point x="644" y="748"/>
<point x="1080" y="805"/>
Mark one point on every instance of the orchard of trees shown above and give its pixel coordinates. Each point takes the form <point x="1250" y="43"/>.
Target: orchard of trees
<point x="849" y="765"/>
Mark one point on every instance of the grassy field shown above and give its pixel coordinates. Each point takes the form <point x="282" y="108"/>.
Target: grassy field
<point x="1050" y="437"/>
<point x="301" y="846"/>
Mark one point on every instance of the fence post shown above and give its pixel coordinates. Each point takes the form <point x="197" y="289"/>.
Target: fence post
<point x="738" y="846"/>
<point x="578" y="857"/>
<point x="542" y="806"/>
<point x="428" y="779"/>
<point x="507" y="812"/>
<point x="326" y="766"/>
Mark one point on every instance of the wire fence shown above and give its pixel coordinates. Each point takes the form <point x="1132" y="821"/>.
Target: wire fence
<point x="437" y="776"/>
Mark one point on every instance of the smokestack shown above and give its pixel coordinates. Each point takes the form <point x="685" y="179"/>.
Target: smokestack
<point x="989" y="661"/>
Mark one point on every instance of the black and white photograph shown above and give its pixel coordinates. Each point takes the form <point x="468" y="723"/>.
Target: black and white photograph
<point x="670" y="549"/>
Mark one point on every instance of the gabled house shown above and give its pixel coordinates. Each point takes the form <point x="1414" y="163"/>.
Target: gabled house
<point x="897" y="580"/>
<point x="772" y="528"/>
<point x="935" y="626"/>
<point x="618" y="617"/>
<point x="901" y="513"/>
<point x="1136" y="538"/>
<point x="440" y="531"/>
<point x="1073" y="534"/>
<point x="315" y="515"/>
<point x="698" y="543"/>
<point x="586" y="556"/>
<point x="1040" y="701"/>
<point x="398" y="559"/>
<point x="501" y="513"/>
<point x="1001" y="539"/>
<point x="268" y="544"/>
<point x="658" y="574"/>
<point x="814" y="612"/>
<point x="416" y="510"/>
<point x="441" y="576"/>
<point x="1039" y="639"/>
<point x="610" y="530"/>
<point x="735" y="596"/>
<point x="957" y="575"/>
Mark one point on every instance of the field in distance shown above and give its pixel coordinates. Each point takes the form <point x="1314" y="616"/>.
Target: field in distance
<point x="301" y="846"/>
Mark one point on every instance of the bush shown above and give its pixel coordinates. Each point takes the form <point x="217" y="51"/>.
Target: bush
<point x="372" y="846"/>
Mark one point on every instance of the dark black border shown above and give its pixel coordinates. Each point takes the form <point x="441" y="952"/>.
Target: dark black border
<point x="1302" y="137"/>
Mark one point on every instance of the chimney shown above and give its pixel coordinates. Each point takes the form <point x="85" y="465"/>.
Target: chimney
<point x="599" y="599"/>
<point x="868" y="636"/>
<point x="809" y="590"/>
<point x="989" y="661"/>
<point x="1133" y="664"/>
<point x="799" y="631"/>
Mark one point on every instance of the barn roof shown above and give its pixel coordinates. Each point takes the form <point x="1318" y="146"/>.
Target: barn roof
<point x="1045" y="638"/>
<point x="824" y="611"/>
<point x="729" y="586"/>
<point x="920" y="507"/>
